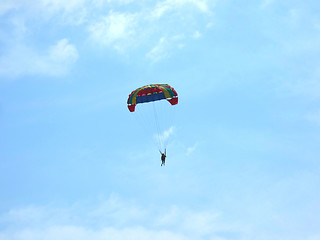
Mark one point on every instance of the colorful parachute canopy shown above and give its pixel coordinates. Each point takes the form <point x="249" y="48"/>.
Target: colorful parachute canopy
<point x="151" y="93"/>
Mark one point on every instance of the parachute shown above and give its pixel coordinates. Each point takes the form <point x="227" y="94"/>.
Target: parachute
<point x="154" y="93"/>
<point x="151" y="93"/>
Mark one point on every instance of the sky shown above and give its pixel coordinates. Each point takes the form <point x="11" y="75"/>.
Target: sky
<point x="242" y="143"/>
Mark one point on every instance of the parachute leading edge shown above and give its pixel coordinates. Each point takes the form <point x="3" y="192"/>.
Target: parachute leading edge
<point x="151" y="93"/>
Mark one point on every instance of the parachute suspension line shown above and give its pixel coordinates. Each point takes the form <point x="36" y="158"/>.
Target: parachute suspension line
<point x="140" y="119"/>
<point x="152" y="93"/>
<point x="160" y="144"/>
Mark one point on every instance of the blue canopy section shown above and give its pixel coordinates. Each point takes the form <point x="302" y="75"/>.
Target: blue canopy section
<point x="150" y="98"/>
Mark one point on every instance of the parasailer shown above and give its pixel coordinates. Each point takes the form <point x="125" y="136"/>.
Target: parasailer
<point x="163" y="157"/>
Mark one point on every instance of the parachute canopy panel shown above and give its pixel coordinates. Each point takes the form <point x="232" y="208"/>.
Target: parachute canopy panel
<point x="151" y="93"/>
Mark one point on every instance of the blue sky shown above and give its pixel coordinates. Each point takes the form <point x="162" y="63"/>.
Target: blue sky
<point x="243" y="155"/>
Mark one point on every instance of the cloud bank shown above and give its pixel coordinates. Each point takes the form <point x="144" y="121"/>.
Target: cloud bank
<point x="112" y="219"/>
<point x="124" y="26"/>
<point x="23" y="60"/>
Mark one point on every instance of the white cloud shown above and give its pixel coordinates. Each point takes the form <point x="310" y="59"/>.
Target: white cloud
<point x="314" y="237"/>
<point x="266" y="3"/>
<point x="191" y="149"/>
<point x="114" y="30"/>
<point x="72" y="12"/>
<point x="120" y="29"/>
<point x="112" y="3"/>
<point x="194" y="223"/>
<point x="61" y="5"/>
<point x="80" y="222"/>
<point x="164" y="13"/>
<point x="7" y="5"/>
<point x="62" y="55"/>
<point x="81" y="233"/>
<point x="170" y="217"/>
<point x="209" y="25"/>
<point x="122" y="2"/>
<point x="124" y="30"/>
<point x="167" y="133"/>
<point x="171" y="5"/>
<point x="201" y="223"/>
<point x="159" y="51"/>
<point x="196" y="35"/>
<point x="22" y="60"/>
<point x="63" y="52"/>
<point x="107" y="220"/>
<point x="118" y="211"/>
<point x="164" y="46"/>
<point x="164" y="136"/>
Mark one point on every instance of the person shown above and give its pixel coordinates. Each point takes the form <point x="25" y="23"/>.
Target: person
<point x="163" y="157"/>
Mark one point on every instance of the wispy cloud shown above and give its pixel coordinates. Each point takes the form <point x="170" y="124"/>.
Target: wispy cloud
<point x="22" y="55"/>
<point x="266" y="3"/>
<point x="162" y="8"/>
<point x="82" y="233"/>
<point x="7" y="5"/>
<point x="196" y="35"/>
<point x="118" y="211"/>
<point x="295" y="36"/>
<point x="191" y="149"/>
<point x="159" y="51"/>
<point x="82" y="222"/>
<point x="143" y="27"/>
<point x="69" y="12"/>
<point x="60" y="5"/>
<point x="165" y="46"/>
<point x="162" y="138"/>
<point x="23" y="60"/>
<point x="129" y="30"/>
<point x="73" y="12"/>
<point x="114" y="30"/>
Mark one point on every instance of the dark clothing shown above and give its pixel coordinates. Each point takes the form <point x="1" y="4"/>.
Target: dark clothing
<point x="163" y="158"/>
